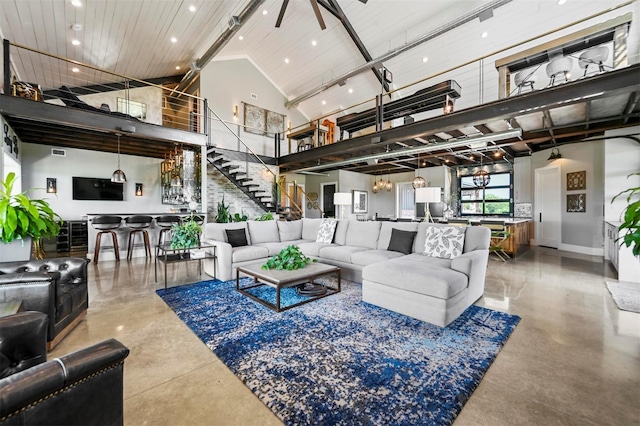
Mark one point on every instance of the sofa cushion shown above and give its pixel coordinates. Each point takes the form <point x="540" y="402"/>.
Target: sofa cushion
<point x="401" y="241"/>
<point x="236" y="237"/>
<point x="388" y="227"/>
<point x="312" y="248"/>
<point x="216" y="231"/>
<point x="263" y="231"/>
<point x="341" y="253"/>
<point x="363" y="234"/>
<point x="444" y="241"/>
<point x="476" y="238"/>
<point x="243" y="254"/>
<point x="418" y="277"/>
<point x="367" y="257"/>
<point x="326" y="231"/>
<point x="310" y="228"/>
<point x="289" y="230"/>
<point x="275" y="248"/>
<point x="340" y="236"/>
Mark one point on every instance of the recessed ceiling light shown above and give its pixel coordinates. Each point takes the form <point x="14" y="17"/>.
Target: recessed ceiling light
<point x="75" y="42"/>
<point x="286" y="60"/>
<point x="76" y="3"/>
<point x="177" y="67"/>
<point x="174" y="40"/>
<point x="324" y="102"/>
<point x="350" y="90"/>
<point x="425" y="59"/>
<point x="76" y="27"/>
<point x="75" y="69"/>
<point x="485" y="34"/>
<point x="561" y="2"/>
<point x="240" y="38"/>
<point x="314" y="43"/>
<point x="264" y="12"/>
<point x="192" y="8"/>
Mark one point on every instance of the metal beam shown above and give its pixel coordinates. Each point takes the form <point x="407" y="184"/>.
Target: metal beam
<point x="395" y="52"/>
<point x="334" y="8"/>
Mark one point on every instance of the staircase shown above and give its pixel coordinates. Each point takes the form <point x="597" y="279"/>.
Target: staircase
<point x="240" y="179"/>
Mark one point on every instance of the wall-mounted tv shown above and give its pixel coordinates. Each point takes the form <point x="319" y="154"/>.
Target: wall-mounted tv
<point x="97" y="189"/>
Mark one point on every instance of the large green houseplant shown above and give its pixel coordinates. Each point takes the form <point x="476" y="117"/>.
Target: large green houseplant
<point x="185" y="234"/>
<point x="631" y="218"/>
<point x="23" y="218"/>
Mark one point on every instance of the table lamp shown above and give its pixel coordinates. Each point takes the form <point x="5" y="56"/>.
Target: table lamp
<point x="428" y="195"/>
<point x="342" y="199"/>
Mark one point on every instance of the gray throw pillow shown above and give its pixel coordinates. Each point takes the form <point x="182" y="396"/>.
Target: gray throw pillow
<point x="401" y="241"/>
<point x="236" y="237"/>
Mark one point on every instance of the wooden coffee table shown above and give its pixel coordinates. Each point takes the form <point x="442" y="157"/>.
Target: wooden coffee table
<point x="283" y="279"/>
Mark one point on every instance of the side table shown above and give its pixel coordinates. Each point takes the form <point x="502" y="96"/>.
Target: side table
<point x="166" y="255"/>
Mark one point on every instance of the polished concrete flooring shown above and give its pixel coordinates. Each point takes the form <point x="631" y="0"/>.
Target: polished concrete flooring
<point x="574" y="359"/>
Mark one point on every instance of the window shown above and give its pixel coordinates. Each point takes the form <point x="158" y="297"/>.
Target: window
<point x="405" y="200"/>
<point x="494" y="200"/>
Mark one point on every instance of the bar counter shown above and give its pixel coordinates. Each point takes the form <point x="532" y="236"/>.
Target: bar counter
<point x="106" y="245"/>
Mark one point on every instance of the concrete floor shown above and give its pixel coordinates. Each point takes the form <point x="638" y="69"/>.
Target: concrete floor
<point x="574" y="359"/>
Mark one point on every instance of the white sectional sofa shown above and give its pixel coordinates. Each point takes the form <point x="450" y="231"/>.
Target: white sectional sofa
<point x="429" y="288"/>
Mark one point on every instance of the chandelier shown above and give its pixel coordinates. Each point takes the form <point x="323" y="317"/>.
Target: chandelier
<point x="481" y="178"/>
<point x="418" y="181"/>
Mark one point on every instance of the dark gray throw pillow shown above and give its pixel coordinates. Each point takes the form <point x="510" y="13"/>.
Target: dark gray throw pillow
<point x="236" y="237"/>
<point x="401" y="241"/>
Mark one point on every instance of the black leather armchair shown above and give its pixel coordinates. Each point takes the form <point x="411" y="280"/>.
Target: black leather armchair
<point x="56" y="287"/>
<point x="23" y="342"/>
<point x="82" y="388"/>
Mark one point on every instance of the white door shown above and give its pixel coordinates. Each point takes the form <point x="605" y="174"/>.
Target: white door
<point x="548" y="218"/>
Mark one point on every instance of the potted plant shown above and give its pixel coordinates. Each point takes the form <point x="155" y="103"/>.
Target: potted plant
<point x="631" y="219"/>
<point x="223" y="214"/>
<point x="185" y="234"/>
<point x="289" y="258"/>
<point x="23" y="220"/>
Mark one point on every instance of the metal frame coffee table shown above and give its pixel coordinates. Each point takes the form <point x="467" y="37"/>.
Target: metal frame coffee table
<point x="284" y="279"/>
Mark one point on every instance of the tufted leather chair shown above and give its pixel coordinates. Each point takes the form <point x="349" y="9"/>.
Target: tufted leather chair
<point x="23" y="341"/>
<point x="81" y="388"/>
<point x="56" y="287"/>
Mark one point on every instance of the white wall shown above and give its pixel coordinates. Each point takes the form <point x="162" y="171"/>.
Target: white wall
<point x="226" y="83"/>
<point x="39" y="164"/>
<point x="522" y="180"/>
<point x="621" y="158"/>
<point x="581" y="232"/>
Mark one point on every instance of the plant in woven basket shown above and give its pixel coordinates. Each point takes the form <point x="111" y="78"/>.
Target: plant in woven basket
<point x="185" y="234"/>
<point x="289" y="258"/>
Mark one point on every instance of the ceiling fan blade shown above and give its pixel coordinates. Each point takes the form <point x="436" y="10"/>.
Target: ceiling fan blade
<point x="316" y="10"/>
<point x="281" y="14"/>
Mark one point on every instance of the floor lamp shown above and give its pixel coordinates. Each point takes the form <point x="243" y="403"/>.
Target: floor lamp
<point x="428" y="195"/>
<point x="342" y="199"/>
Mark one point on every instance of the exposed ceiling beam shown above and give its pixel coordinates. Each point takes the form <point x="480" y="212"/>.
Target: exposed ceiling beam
<point x="395" y="52"/>
<point x="334" y="8"/>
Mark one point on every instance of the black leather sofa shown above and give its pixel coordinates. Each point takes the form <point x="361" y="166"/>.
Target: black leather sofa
<point x="56" y="287"/>
<point x="81" y="388"/>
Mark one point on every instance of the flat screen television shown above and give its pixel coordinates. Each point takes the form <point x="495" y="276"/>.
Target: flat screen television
<point x="97" y="189"/>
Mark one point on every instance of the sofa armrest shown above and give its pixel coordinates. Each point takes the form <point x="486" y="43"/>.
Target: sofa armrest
<point x="223" y="261"/>
<point x="23" y="341"/>
<point x="474" y="265"/>
<point x="84" y="387"/>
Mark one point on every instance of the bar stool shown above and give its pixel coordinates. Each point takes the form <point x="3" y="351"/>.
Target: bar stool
<point x="106" y="225"/>
<point x="165" y="223"/>
<point x="138" y="225"/>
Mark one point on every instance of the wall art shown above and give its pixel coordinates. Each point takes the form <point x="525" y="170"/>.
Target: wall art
<point x="261" y="121"/>
<point x="576" y="203"/>
<point x="576" y="180"/>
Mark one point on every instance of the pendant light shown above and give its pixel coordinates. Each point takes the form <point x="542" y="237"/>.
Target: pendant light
<point x="388" y="185"/>
<point x="481" y="178"/>
<point x="418" y="181"/>
<point x="118" y="176"/>
<point x="375" y="187"/>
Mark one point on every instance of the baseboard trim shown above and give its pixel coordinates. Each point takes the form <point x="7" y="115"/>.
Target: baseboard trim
<point x="591" y="251"/>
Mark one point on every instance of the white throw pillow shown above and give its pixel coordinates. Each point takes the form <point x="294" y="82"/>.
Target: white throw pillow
<point x="444" y="241"/>
<point x="326" y="231"/>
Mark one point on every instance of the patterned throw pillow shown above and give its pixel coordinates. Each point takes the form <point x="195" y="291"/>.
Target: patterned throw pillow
<point x="444" y="241"/>
<point x="326" y="231"/>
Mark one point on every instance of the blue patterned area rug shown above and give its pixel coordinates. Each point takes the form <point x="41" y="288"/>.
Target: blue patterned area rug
<point x="339" y="360"/>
